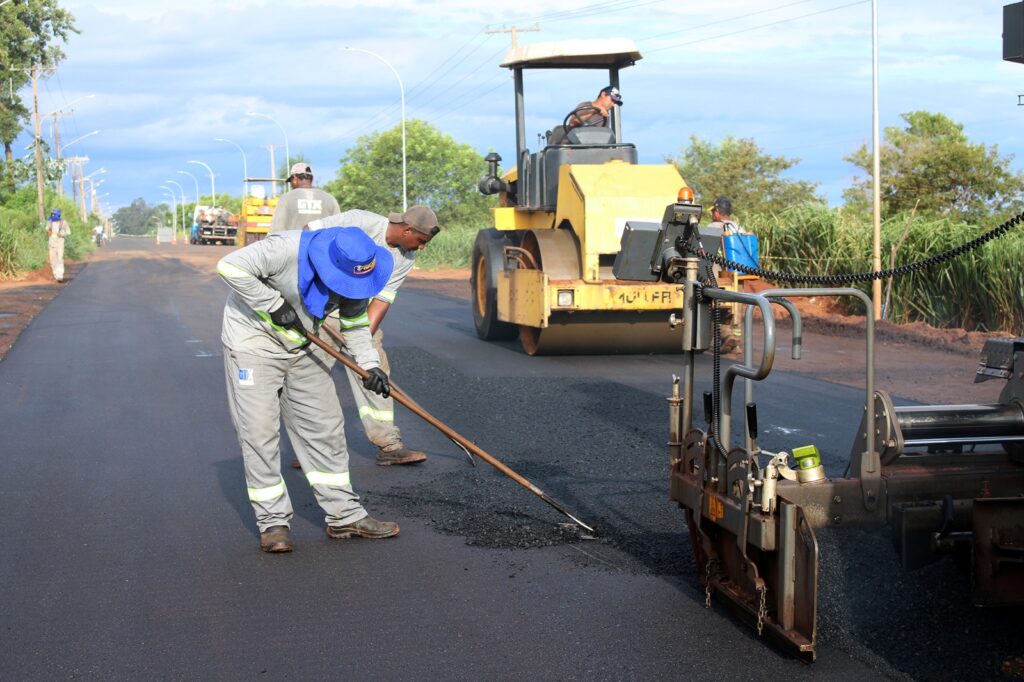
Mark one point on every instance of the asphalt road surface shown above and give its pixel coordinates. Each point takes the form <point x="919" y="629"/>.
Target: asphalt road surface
<point x="130" y="550"/>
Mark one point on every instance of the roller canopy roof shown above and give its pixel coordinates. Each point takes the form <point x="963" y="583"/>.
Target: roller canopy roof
<point x="574" y="54"/>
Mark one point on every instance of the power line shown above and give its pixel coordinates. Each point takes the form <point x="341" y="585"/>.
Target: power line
<point x="688" y="29"/>
<point x="755" y="28"/>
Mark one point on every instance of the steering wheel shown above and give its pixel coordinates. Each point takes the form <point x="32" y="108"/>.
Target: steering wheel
<point x="599" y="119"/>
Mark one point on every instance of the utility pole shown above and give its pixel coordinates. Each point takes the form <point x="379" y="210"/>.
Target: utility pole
<point x="273" y="171"/>
<point x="515" y="31"/>
<point x="56" y="143"/>
<point x="41" y="211"/>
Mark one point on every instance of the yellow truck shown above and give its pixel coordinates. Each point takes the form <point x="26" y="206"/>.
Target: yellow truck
<point x="544" y="271"/>
<point x="256" y="215"/>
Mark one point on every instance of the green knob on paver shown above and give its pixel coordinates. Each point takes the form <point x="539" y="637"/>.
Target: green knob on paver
<point x="807" y="456"/>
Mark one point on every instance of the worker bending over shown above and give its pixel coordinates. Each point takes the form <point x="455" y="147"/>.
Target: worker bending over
<point x="281" y="287"/>
<point x="403" y="234"/>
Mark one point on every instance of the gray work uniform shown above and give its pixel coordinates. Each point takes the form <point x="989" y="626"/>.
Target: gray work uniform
<point x="299" y="206"/>
<point x="376" y="412"/>
<point x="272" y="373"/>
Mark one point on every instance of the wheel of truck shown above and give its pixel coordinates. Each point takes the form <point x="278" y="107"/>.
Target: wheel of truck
<point x="488" y="261"/>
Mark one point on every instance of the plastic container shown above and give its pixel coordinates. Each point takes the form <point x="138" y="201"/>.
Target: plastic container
<point x="741" y="248"/>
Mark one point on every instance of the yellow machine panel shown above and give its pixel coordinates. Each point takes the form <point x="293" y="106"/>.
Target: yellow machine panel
<point x="521" y="297"/>
<point x="597" y="200"/>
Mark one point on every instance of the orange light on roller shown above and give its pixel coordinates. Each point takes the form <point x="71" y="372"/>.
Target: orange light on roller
<point x="685" y="195"/>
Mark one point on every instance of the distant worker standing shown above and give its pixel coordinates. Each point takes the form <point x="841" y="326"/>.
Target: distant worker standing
<point x="57" y="229"/>
<point x="282" y="286"/>
<point x="303" y="203"/>
<point x="403" y="234"/>
<point x="721" y="216"/>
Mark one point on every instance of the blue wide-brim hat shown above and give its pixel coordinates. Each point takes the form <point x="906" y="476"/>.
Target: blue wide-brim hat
<point x="349" y="262"/>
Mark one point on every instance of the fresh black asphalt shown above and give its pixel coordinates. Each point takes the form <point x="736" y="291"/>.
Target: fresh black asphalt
<point x="130" y="551"/>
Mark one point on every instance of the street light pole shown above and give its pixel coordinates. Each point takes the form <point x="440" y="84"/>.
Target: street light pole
<point x="213" y="191"/>
<point x="182" y="190"/>
<point x="195" y="180"/>
<point x="287" y="153"/>
<point x="401" y="92"/>
<point x="81" y="189"/>
<point x="174" y="214"/>
<point x="245" y="166"/>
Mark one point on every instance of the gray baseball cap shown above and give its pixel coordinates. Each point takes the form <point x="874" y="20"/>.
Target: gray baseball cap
<point x="419" y="218"/>
<point x="300" y="168"/>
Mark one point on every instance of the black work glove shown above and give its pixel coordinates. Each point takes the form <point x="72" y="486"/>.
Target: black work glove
<point x="377" y="381"/>
<point x="286" y="318"/>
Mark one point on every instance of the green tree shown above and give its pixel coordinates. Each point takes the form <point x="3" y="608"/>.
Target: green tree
<point x="740" y="170"/>
<point x="135" y="218"/>
<point x="31" y="33"/>
<point x="932" y="165"/>
<point x="441" y="173"/>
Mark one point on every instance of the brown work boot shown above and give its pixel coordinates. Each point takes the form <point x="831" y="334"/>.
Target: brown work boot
<point x="402" y="455"/>
<point x="275" y="539"/>
<point x="364" y="528"/>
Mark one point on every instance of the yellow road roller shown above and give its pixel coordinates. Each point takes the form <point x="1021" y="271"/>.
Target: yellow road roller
<point x="545" y="270"/>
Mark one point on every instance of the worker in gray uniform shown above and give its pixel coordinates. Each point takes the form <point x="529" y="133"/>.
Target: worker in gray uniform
<point x="281" y="287"/>
<point x="303" y="203"/>
<point x="403" y="234"/>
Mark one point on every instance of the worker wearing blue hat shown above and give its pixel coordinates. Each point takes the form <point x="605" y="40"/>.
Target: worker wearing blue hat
<point x="283" y="286"/>
<point x="57" y="229"/>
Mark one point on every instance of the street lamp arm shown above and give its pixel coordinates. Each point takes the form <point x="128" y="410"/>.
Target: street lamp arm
<point x="213" y="191"/>
<point x="401" y="92"/>
<point x="78" y="139"/>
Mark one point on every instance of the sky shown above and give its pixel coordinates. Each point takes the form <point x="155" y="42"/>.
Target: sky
<point x="168" y="79"/>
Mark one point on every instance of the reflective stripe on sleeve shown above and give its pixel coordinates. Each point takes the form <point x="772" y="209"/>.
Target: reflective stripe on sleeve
<point x="388" y="296"/>
<point x="350" y="322"/>
<point x="266" y="494"/>
<point x="291" y="334"/>
<point x="231" y="271"/>
<point x="376" y="415"/>
<point x="328" y="479"/>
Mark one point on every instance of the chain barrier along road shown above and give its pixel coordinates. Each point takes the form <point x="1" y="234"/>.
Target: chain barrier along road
<point x="130" y="548"/>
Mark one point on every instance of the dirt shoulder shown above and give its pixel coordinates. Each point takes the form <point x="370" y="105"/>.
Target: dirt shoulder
<point x="913" y="361"/>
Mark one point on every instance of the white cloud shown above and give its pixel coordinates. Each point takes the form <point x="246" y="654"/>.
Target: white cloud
<point x="170" y="78"/>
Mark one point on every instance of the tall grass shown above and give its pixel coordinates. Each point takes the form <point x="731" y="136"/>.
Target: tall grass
<point x="982" y="290"/>
<point x="23" y="241"/>
<point x="451" y="248"/>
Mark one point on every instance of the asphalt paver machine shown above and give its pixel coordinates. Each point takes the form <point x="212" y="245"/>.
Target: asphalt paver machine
<point x="945" y="478"/>
<point x="544" y="271"/>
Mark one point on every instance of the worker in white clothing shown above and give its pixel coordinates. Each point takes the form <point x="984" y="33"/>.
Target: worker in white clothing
<point x="403" y="234"/>
<point x="57" y="229"/>
<point x="281" y="287"/>
<point x="303" y="203"/>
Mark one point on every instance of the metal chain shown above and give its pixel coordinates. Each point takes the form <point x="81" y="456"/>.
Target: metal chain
<point x="710" y="568"/>
<point x="762" y="610"/>
<point x="850" y="278"/>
